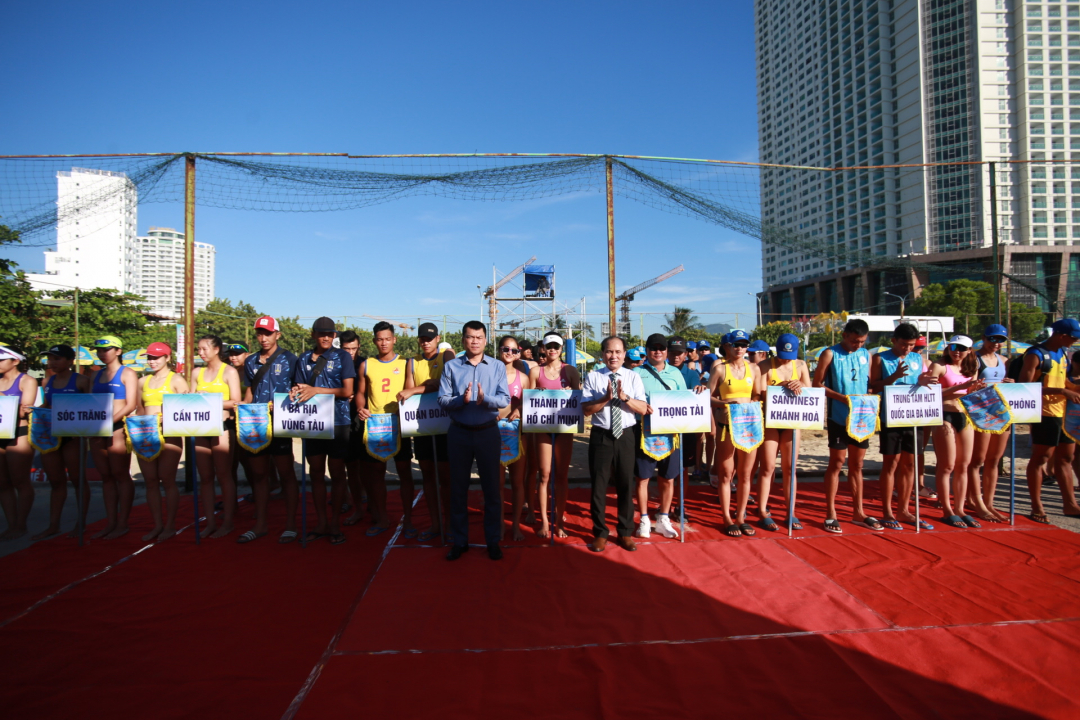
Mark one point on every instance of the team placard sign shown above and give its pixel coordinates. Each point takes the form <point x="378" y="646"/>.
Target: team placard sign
<point x="551" y="411"/>
<point x="784" y="410"/>
<point x="312" y="419"/>
<point x="422" y="415"/>
<point x="913" y="406"/>
<point x="9" y="416"/>
<point x="1025" y="401"/>
<point x="195" y="415"/>
<point x="679" y="411"/>
<point x="79" y="415"/>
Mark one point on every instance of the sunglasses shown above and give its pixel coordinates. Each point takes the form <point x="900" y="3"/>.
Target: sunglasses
<point x="512" y="351"/>
<point x="741" y="345"/>
<point x="958" y="348"/>
<point x="996" y="339"/>
<point x="237" y="348"/>
<point x="553" y="346"/>
<point x="104" y="344"/>
<point x="658" y="348"/>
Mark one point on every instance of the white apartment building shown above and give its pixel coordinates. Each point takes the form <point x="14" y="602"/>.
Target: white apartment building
<point x="159" y="262"/>
<point x="95" y="233"/>
<point x="850" y="83"/>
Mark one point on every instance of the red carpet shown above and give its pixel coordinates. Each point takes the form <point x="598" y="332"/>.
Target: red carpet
<point x="948" y="623"/>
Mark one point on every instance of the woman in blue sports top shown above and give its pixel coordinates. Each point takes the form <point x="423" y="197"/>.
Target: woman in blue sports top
<point x="988" y="448"/>
<point x="16" y="455"/>
<point x="111" y="456"/>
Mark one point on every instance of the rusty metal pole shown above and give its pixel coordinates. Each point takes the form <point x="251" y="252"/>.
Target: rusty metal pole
<point x="611" y="250"/>
<point x="189" y="267"/>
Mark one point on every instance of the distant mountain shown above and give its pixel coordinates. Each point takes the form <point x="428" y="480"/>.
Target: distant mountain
<point x="718" y="328"/>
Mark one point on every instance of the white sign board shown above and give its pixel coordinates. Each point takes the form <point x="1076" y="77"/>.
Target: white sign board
<point x="313" y="419"/>
<point x="9" y="415"/>
<point x="679" y="411"/>
<point x="551" y="411"/>
<point x="195" y="415"/>
<point x="421" y="415"/>
<point x="784" y="410"/>
<point x="1025" y="401"/>
<point x="82" y="415"/>
<point x="912" y="406"/>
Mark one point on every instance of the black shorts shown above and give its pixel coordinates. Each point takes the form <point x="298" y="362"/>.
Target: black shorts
<point x="403" y="455"/>
<point x="955" y="418"/>
<point x="20" y="431"/>
<point x="894" y="441"/>
<point x="840" y="440"/>
<point x="645" y="466"/>
<point x="427" y="447"/>
<point x="336" y="449"/>
<point x="1049" y="433"/>
<point x="277" y="448"/>
<point x="690" y="450"/>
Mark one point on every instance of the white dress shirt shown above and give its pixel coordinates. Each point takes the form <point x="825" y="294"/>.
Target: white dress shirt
<point x="596" y="386"/>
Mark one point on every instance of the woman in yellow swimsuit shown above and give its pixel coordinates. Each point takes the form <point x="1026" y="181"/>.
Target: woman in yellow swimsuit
<point x="734" y="381"/>
<point x="215" y="453"/>
<point x="161" y="471"/>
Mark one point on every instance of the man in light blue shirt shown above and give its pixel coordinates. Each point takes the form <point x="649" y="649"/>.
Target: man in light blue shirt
<point x="473" y="389"/>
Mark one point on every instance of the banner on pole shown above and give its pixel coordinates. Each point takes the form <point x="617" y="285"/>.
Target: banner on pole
<point x="421" y="415"/>
<point x="912" y="406"/>
<point x="79" y="415"/>
<point x="551" y="411"/>
<point x="311" y="420"/>
<point x="1025" y="401"/>
<point x="784" y="410"/>
<point x="9" y="415"/>
<point x="987" y="410"/>
<point x="746" y="425"/>
<point x="195" y="415"/>
<point x="679" y="411"/>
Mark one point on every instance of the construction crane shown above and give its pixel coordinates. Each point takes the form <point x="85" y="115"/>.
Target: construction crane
<point x="403" y="326"/>
<point x="626" y="297"/>
<point x="492" y="292"/>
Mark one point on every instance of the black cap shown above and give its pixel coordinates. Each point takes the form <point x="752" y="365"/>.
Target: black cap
<point x="428" y="330"/>
<point x="236" y="348"/>
<point x="676" y="343"/>
<point x="64" y="351"/>
<point x="655" y="339"/>
<point x="324" y="324"/>
<point x="525" y="345"/>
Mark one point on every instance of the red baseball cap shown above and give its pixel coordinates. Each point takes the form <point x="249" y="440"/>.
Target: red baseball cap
<point x="267" y="323"/>
<point x="921" y="342"/>
<point x="158" y="349"/>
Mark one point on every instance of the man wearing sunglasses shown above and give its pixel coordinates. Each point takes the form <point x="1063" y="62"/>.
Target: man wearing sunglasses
<point x="844" y="369"/>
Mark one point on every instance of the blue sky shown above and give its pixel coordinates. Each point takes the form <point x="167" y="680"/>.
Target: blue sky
<point x="624" y="78"/>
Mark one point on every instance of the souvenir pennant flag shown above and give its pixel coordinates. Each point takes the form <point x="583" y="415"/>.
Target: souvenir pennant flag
<point x="1071" y="424"/>
<point x="144" y="435"/>
<point x="41" y="437"/>
<point x="862" y="421"/>
<point x="746" y="425"/>
<point x="510" y="434"/>
<point x="657" y="447"/>
<point x="381" y="436"/>
<point x="253" y="429"/>
<point x="987" y="409"/>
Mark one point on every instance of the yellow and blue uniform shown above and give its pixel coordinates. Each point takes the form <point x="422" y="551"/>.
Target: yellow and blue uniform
<point x="384" y="381"/>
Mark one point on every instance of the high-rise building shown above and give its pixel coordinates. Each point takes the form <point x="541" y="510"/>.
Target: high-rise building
<point x="867" y="83"/>
<point x="95" y="232"/>
<point x="159" y="258"/>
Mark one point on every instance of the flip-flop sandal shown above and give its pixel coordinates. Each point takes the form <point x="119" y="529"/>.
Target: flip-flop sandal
<point x="337" y="538"/>
<point x="313" y="536"/>
<point x="767" y="523"/>
<point x="1039" y="518"/>
<point x="747" y="529"/>
<point x="349" y="522"/>
<point x="428" y="536"/>
<point x="970" y="521"/>
<point x="796" y="524"/>
<point x="923" y="525"/>
<point x="732" y="531"/>
<point x="955" y="521"/>
<point x="249" y="536"/>
<point x="833" y="526"/>
<point x="375" y="530"/>
<point x="410" y="534"/>
<point x="871" y="523"/>
<point x="893" y="525"/>
<point x="287" y="537"/>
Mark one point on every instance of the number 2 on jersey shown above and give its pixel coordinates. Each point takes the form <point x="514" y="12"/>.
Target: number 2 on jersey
<point x="386" y="385"/>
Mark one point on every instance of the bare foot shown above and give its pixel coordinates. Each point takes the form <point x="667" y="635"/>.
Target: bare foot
<point x="353" y="519"/>
<point x="166" y="533"/>
<point x="151" y="535"/>
<point x="518" y="536"/>
<point x="118" y="532"/>
<point x="221" y="532"/>
<point x="207" y="531"/>
<point x="103" y="532"/>
<point x="47" y="532"/>
<point x="906" y="517"/>
<point x="14" y="533"/>
<point x="560" y="533"/>
<point x="988" y="516"/>
<point x="543" y="532"/>
<point x="999" y="515"/>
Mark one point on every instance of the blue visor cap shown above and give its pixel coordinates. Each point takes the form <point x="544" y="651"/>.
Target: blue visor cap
<point x="759" y="346"/>
<point x="704" y="345"/>
<point x="787" y="347"/>
<point x="737" y="335"/>
<point x="635" y="355"/>
<point x="1067" y="326"/>
<point x="691" y="345"/>
<point x="995" y="331"/>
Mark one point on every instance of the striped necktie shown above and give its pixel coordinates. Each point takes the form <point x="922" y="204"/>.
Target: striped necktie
<point x="616" y="411"/>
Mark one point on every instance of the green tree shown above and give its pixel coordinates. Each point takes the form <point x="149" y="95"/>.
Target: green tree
<point x="971" y="305"/>
<point x="770" y="331"/>
<point x="20" y="319"/>
<point x="101" y="312"/>
<point x="7" y="237"/>
<point x="680" y="321"/>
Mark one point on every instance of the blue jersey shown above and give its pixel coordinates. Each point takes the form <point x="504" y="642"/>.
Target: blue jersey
<point x="890" y="361"/>
<point x="707" y="362"/>
<point x="849" y="374"/>
<point x="691" y="377"/>
<point x="278" y="379"/>
<point x="339" y="368"/>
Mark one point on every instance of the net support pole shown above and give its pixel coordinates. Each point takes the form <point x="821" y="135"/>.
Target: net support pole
<point x="1012" y="479"/>
<point x="791" y="486"/>
<point x="994" y="237"/>
<point x="189" y="267"/>
<point x="303" y="493"/>
<point x="189" y="451"/>
<point x="611" y="249"/>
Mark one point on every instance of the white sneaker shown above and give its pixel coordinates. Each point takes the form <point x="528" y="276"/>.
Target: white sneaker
<point x="663" y="526"/>
<point x="644" y="527"/>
